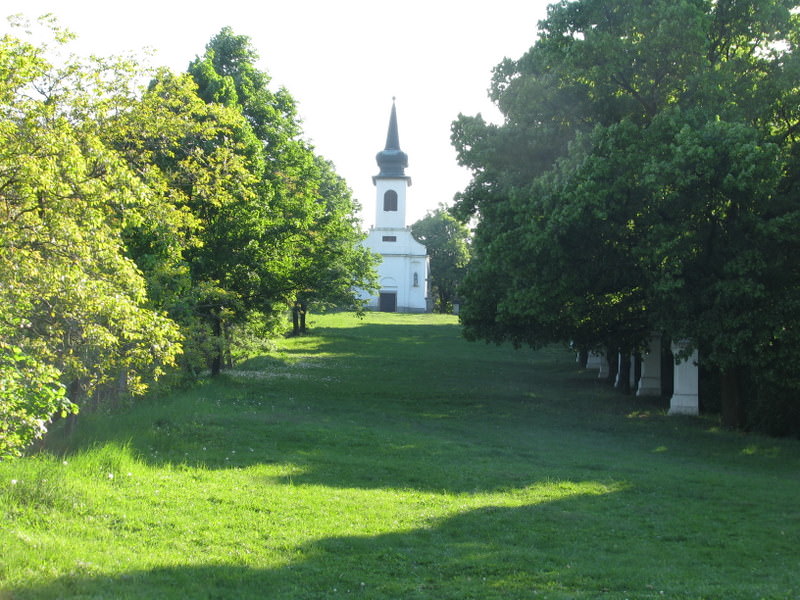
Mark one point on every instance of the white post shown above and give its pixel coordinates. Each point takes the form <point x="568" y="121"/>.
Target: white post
<point x="685" y="400"/>
<point x="650" y="381"/>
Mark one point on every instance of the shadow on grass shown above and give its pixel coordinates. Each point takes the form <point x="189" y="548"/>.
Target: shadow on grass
<point x="471" y="418"/>
<point x="491" y="552"/>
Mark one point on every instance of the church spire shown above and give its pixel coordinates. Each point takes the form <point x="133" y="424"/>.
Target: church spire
<point x="391" y="160"/>
<point x="392" y="136"/>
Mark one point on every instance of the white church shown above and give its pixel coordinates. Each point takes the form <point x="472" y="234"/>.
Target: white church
<point x="403" y="272"/>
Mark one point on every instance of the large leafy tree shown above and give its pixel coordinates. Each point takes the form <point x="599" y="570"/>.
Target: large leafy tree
<point x="642" y="180"/>
<point x="252" y="221"/>
<point x="447" y="242"/>
<point x="304" y="245"/>
<point x="75" y="313"/>
<point x="204" y="164"/>
<point x="331" y="262"/>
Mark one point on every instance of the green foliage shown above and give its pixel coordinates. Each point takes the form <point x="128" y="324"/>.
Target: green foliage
<point x="249" y="220"/>
<point x="75" y="304"/>
<point x="331" y="262"/>
<point x="447" y="242"/>
<point x="296" y="240"/>
<point x="142" y="225"/>
<point x="643" y="180"/>
<point x="30" y="394"/>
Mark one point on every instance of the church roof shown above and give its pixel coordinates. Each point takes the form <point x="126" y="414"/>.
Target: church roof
<point x="391" y="160"/>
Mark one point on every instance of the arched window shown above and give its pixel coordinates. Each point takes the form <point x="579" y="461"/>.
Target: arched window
<point x="390" y="201"/>
<point x="416" y="280"/>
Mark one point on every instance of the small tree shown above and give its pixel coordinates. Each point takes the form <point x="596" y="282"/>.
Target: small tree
<point x="448" y="243"/>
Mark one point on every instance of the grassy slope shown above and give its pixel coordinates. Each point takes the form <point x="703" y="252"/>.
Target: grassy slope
<point x="388" y="458"/>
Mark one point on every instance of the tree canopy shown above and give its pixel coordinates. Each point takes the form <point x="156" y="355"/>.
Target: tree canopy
<point x="75" y="314"/>
<point x="642" y="181"/>
<point x="447" y="242"/>
<point x="141" y="227"/>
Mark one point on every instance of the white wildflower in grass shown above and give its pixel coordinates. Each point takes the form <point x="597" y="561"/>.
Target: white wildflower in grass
<point x="13" y="482"/>
<point x="64" y="463"/>
<point x="111" y="476"/>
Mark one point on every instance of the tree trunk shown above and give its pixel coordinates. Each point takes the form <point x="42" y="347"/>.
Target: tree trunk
<point x="442" y="302"/>
<point x="613" y="362"/>
<point x="226" y="348"/>
<point x="74" y="390"/>
<point x="733" y="413"/>
<point x="583" y="358"/>
<point x="303" y="317"/>
<point x="296" y="318"/>
<point x="216" y="359"/>
<point x="624" y="375"/>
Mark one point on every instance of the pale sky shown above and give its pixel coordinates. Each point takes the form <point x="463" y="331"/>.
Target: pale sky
<point x="342" y="61"/>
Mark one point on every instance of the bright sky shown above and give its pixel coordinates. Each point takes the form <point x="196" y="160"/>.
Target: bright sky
<point x="342" y="61"/>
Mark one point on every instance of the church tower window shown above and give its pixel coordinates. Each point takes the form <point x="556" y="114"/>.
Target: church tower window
<point x="390" y="201"/>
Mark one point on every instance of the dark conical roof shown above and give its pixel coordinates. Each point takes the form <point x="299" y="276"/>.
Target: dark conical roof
<point x="392" y="136"/>
<point x="391" y="159"/>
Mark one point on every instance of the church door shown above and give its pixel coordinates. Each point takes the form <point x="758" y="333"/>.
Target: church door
<point x="387" y="302"/>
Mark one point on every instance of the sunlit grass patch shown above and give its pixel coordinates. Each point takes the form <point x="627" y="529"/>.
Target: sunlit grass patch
<point x="32" y="489"/>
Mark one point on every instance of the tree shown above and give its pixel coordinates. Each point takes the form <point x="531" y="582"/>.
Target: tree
<point x="204" y="164"/>
<point x="307" y="244"/>
<point x="447" y="241"/>
<point x="76" y="314"/>
<point x="640" y="182"/>
<point x="333" y="261"/>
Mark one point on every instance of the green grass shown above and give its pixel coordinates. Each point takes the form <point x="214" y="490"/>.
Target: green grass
<point x="388" y="458"/>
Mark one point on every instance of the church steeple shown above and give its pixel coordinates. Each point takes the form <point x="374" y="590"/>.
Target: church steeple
<point x="391" y="160"/>
<point x="403" y="271"/>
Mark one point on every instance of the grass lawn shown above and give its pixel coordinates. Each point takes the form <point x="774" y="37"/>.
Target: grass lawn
<point x="388" y="458"/>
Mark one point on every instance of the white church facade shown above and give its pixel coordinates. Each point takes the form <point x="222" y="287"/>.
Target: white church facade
<point x="403" y="272"/>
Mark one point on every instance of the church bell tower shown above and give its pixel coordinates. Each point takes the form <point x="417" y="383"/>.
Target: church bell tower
<point x="391" y="182"/>
<point x="403" y="271"/>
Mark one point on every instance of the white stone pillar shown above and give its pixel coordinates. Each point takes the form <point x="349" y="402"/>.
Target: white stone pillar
<point x="650" y="381"/>
<point x="685" y="400"/>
